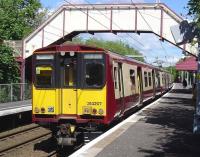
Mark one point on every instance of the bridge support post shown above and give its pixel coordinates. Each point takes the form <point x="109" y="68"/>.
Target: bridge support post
<point x="196" y="125"/>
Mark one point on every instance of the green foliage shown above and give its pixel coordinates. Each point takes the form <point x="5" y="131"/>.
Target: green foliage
<point x="4" y="92"/>
<point x="18" y="18"/>
<point x="194" y="10"/>
<point x="173" y="71"/>
<point x="194" y="7"/>
<point x="114" y="46"/>
<point x="9" y="71"/>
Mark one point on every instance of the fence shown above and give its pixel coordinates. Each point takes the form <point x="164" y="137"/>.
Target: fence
<point x="14" y="92"/>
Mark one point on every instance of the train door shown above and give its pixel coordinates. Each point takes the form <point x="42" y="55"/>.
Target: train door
<point x="69" y="85"/>
<point x="118" y="82"/>
<point x="140" y="84"/>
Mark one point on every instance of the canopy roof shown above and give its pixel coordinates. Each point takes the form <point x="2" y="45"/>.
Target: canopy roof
<point x="187" y="64"/>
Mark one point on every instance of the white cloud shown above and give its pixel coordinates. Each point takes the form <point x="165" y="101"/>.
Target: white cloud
<point x="120" y="1"/>
<point x="103" y="1"/>
<point x="76" y="1"/>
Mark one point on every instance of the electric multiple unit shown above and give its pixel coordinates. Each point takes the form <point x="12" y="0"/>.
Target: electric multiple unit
<point x="77" y="88"/>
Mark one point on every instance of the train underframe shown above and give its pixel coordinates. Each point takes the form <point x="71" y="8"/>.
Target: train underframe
<point x="71" y="133"/>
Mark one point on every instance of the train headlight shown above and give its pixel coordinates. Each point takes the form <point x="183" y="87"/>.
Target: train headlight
<point x="86" y="110"/>
<point x="101" y="111"/>
<point x="94" y="111"/>
<point x="72" y="128"/>
<point x="37" y="110"/>
<point x="43" y="110"/>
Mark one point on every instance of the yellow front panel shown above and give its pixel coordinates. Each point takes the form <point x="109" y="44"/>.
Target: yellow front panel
<point x="69" y="105"/>
<point x="47" y="99"/>
<point x="89" y="99"/>
<point x="70" y="101"/>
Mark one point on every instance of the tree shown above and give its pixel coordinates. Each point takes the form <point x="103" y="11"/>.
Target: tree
<point x="194" y="7"/>
<point x="194" y="10"/>
<point x="114" y="46"/>
<point x="173" y="71"/>
<point x="9" y="71"/>
<point x="19" y="17"/>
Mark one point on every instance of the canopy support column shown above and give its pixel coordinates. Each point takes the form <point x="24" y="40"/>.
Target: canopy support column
<point x="196" y="127"/>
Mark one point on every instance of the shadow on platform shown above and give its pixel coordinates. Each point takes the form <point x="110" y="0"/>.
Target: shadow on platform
<point x="175" y="117"/>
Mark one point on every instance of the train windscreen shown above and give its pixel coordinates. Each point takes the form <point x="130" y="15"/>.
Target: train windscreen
<point x="70" y="74"/>
<point x="94" y="70"/>
<point x="94" y="74"/>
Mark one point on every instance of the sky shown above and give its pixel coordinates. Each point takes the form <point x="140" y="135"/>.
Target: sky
<point x="153" y="48"/>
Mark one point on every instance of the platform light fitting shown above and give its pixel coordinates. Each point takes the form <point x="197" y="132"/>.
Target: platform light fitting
<point x="62" y="53"/>
<point x="71" y="53"/>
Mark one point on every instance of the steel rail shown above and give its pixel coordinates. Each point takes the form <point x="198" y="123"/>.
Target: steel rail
<point x="14" y="143"/>
<point x="18" y="130"/>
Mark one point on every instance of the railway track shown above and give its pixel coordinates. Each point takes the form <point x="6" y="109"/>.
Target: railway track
<point x="22" y="136"/>
<point x="64" y="153"/>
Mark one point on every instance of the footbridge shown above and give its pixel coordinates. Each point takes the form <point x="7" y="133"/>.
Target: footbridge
<point x="70" y="20"/>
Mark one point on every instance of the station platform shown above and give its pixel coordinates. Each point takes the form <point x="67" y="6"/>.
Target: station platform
<point x="163" y="128"/>
<point x="15" y="107"/>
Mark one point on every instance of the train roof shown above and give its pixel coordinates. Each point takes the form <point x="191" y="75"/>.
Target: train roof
<point x="129" y="59"/>
<point x="67" y="47"/>
<point x="80" y="47"/>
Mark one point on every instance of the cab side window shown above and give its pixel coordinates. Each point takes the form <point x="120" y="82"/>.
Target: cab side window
<point x="44" y="76"/>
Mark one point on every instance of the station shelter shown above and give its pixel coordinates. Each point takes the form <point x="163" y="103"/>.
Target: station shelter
<point x="188" y="69"/>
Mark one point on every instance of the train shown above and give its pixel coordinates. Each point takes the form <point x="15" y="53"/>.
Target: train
<point x="79" y="88"/>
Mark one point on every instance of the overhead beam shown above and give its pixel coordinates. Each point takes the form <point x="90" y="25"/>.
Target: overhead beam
<point x="70" y="20"/>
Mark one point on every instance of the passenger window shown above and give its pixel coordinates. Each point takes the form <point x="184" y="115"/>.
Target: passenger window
<point x="132" y="77"/>
<point x="119" y="78"/>
<point x="94" y="74"/>
<point x="44" y="76"/>
<point x="145" y="79"/>
<point x="115" y="77"/>
<point x="150" y="80"/>
<point x="158" y="76"/>
<point x="162" y="79"/>
<point x="70" y="75"/>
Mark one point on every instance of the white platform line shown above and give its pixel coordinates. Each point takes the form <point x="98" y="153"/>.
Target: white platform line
<point x="82" y="152"/>
<point x="15" y="107"/>
<point x="15" y="110"/>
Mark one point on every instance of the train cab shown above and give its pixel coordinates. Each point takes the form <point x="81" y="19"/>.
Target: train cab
<point x="69" y="84"/>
